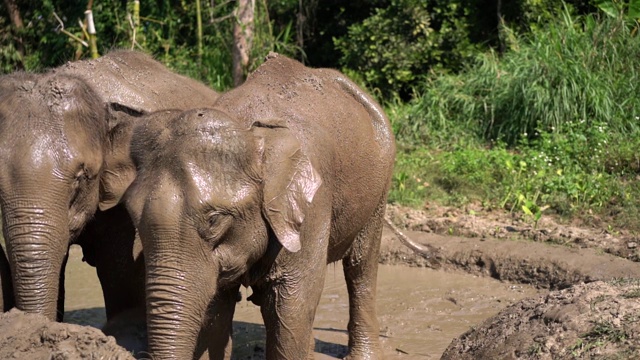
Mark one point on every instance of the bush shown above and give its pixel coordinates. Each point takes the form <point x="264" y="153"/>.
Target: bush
<point x="573" y="70"/>
<point x="552" y="124"/>
<point x="393" y="50"/>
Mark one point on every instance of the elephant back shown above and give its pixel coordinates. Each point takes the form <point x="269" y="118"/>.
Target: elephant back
<point x="136" y="81"/>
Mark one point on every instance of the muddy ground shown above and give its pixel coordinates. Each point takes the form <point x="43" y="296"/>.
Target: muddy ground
<point x="482" y="263"/>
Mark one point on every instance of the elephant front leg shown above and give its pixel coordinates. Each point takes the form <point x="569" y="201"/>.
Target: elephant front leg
<point x="215" y="340"/>
<point x="360" y="270"/>
<point x="288" y="313"/>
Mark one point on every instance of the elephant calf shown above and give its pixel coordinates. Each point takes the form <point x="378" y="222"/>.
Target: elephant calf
<point x="284" y="175"/>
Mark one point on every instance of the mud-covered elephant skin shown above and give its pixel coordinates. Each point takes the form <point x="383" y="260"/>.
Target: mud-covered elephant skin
<point x="284" y="175"/>
<point x="64" y="154"/>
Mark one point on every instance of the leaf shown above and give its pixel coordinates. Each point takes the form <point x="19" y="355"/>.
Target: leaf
<point x="634" y="9"/>
<point x="609" y="8"/>
<point x="526" y="210"/>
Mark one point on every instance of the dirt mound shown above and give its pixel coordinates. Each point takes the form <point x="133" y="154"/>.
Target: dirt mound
<point x="31" y="336"/>
<point x="587" y="321"/>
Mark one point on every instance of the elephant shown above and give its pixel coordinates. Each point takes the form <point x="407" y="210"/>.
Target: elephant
<point x="64" y="166"/>
<point x="284" y="175"/>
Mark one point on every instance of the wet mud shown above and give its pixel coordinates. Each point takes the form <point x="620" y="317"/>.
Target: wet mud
<point x="423" y="303"/>
<point x="420" y="309"/>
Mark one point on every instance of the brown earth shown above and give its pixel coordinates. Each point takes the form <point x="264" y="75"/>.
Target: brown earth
<point x="598" y="320"/>
<point x="592" y="310"/>
<point x="31" y="336"/>
<point x="420" y="315"/>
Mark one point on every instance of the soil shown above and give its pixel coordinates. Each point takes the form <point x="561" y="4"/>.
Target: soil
<point x="598" y="320"/>
<point x="494" y="283"/>
<point x="32" y="336"/>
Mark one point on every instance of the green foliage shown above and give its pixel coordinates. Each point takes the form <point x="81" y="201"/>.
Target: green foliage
<point x="393" y="49"/>
<point x="573" y="172"/>
<point x="573" y="70"/>
<point x="549" y="127"/>
<point x="412" y="177"/>
<point x="167" y="31"/>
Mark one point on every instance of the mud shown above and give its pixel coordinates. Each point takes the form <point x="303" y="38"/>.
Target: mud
<point x="587" y="321"/>
<point x="32" y="336"/>
<point x="424" y="303"/>
<point x="420" y="309"/>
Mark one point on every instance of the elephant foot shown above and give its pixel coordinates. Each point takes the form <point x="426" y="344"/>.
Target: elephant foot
<point x="367" y="354"/>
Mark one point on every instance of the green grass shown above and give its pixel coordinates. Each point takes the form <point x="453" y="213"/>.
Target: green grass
<point x="551" y="127"/>
<point x="570" y="71"/>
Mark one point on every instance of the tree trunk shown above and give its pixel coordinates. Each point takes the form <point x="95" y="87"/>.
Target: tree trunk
<point x="242" y="39"/>
<point x="18" y="25"/>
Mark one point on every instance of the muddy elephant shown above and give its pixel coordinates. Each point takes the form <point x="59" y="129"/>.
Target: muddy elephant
<point x="285" y="174"/>
<point x="64" y="165"/>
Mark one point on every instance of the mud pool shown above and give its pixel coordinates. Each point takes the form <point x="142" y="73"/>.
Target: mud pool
<point x="420" y="310"/>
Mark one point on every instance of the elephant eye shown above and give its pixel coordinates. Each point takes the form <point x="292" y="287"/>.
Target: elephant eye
<point x="218" y="223"/>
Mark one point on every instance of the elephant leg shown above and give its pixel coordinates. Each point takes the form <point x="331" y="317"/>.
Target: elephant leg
<point x="6" y="286"/>
<point x="361" y="270"/>
<point x="215" y="340"/>
<point x="288" y="315"/>
<point x="292" y="296"/>
<point x="109" y="242"/>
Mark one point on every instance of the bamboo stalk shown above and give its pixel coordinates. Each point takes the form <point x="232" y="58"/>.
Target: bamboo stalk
<point x="93" y="37"/>
<point x="134" y="21"/>
<point x="199" y="22"/>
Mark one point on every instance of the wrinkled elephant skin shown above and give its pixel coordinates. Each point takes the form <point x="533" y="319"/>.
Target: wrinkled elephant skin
<point x="284" y="175"/>
<point x="64" y="154"/>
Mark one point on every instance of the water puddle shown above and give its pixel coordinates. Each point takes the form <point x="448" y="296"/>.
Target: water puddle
<point x="420" y="310"/>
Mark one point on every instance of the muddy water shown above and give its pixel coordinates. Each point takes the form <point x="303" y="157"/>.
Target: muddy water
<point x="420" y="310"/>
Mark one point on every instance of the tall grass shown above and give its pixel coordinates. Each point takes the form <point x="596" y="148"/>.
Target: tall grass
<point x="573" y="69"/>
<point x="552" y="125"/>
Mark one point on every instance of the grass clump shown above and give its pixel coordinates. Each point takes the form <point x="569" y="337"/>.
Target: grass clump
<point x="554" y="123"/>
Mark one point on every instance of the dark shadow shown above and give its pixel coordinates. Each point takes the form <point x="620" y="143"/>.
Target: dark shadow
<point x="95" y="317"/>
<point x="249" y="342"/>
<point x="6" y="287"/>
<point x="332" y="349"/>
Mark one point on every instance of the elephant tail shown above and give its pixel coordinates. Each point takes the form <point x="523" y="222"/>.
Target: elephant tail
<point x="425" y="251"/>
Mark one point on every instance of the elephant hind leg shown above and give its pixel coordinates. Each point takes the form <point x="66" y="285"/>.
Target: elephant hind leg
<point x="361" y="271"/>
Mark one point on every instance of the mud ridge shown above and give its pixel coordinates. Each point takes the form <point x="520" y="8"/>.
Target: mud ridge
<point x="543" y="265"/>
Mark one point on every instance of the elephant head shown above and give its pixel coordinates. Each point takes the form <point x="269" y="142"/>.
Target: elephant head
<point x="212" y="195"/>
<point x="64" y="141"/>
<point x="53" y="136"/>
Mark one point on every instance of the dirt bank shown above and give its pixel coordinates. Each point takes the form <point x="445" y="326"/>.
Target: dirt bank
<point x="520" y="257"/>
<point x="581" y="317"/>
<point x="30" y="336"/>
<point x="588" y="321"/>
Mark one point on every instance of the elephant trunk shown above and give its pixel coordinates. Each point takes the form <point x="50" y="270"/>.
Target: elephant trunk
<point x="176" y="312"/>
<point x="180" y="279"/>
<point x="36" y="248"/>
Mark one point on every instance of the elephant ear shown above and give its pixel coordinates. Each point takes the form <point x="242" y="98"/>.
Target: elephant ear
<point x="290" y="182"/>
<point x="119" y="170"/>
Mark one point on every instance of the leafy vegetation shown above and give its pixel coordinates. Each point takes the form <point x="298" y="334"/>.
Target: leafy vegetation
<point x="531" y="106"/>
<point x="552" y="125"/>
